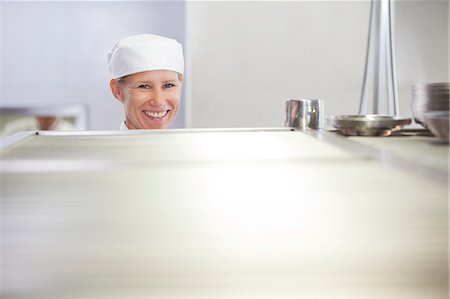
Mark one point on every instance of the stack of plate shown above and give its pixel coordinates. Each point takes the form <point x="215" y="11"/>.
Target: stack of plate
<point x="428" y="97"/>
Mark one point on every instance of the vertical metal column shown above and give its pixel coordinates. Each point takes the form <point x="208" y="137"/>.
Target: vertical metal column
<point x="380" y="72"/>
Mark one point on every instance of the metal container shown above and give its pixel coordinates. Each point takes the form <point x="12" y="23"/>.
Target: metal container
<point x="427" y="97"/>
<point x="438" y="123"/>
<point x="368" y="125"/>
<point x="304" y="113"/>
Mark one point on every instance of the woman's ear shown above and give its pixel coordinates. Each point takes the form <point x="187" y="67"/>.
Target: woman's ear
<point x="116" y="90"/>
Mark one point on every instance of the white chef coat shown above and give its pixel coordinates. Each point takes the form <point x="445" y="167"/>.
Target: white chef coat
<point x="123" y="126"/>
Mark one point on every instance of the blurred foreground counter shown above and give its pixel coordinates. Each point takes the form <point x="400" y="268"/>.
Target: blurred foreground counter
<point x="260" y="213"/>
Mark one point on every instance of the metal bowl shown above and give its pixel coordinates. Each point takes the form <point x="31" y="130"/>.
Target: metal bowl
<point x="368" y="125"/>
<point x="438" y="123"/>
<point x="429" y="97"/>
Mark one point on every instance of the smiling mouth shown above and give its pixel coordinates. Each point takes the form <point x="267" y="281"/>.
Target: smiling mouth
<point x="156" y="115"/>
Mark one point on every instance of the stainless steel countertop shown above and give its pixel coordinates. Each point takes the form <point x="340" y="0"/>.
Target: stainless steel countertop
<point x="262" y="213"/>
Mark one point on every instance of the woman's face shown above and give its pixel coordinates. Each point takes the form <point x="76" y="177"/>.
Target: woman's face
<point x="151" y="99"/>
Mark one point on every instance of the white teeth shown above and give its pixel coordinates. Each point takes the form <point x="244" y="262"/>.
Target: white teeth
<point x="156" y="114"/>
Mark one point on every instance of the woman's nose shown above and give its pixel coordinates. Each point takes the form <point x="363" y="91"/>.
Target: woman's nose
<point x="157" y="97"/>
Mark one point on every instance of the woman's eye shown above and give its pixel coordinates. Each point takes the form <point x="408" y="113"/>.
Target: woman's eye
<point x="169" y="85"/>
<point x="144" y="86"/>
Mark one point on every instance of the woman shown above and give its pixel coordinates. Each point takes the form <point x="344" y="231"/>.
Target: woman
<point x="147" y="75"/>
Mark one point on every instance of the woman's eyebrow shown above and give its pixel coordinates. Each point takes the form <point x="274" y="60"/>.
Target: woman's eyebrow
<point x="169" y="81"/>
<point x="150" y="82"/>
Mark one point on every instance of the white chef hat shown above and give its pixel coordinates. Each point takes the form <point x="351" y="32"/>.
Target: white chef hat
<point x="145" y="52"/>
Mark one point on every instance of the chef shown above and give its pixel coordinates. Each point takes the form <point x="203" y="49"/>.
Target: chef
<point x="146" y="77"/>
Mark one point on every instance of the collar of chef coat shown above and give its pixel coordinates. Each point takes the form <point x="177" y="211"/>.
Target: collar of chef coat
<point x="123" y="127"/>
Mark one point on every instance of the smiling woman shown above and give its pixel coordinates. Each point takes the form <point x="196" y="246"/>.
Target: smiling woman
<point x="151" y="99"/>
<point x="147" y="74"/>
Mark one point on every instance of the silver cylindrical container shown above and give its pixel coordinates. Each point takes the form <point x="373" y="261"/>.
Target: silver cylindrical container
<point x="304" y="113"/>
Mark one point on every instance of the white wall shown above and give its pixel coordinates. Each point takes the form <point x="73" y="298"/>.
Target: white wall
<point x="248" y="57"/>
<point x="55" y="52"/>
<point x="244" y="57"/>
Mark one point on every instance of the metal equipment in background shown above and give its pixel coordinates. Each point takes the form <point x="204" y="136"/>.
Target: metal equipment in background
<point x="368" y="125"/>
<point x="14" y="118"/>
<point x="304" y="113"/>
<point x="380" y="82"/>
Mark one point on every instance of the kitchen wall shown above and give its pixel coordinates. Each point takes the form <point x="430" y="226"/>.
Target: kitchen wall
<point x="54" y="52"/>
<point x="243" y="58"/>
<point x="248" y="57"/>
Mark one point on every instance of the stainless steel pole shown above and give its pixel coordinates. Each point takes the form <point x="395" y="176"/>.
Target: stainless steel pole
<point x="380" y="73"/>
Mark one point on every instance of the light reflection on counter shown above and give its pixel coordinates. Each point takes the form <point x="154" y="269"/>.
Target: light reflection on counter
<point x="320" y="224"/>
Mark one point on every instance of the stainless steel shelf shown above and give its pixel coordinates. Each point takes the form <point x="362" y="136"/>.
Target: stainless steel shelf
<point x="217" y="213"/>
